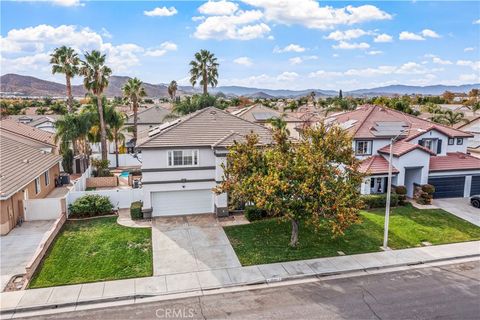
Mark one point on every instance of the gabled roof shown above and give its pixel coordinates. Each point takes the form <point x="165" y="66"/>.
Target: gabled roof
<point x="402" y="147"/>
<point x="454" y="161"/>
<point x="151" y="116"/>
<point x="20" y="164"/>
<point x="209" y="127"/>
<point x="368" y="116"/>
<point x="375" y="165"/>
<point x="12" y="128"/>
<point x="260" y="113"/>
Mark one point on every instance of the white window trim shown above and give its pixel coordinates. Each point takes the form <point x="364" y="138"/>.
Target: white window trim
<point x="170" y="152"/>
<point x="38" y="185"/>
<point x="369" y="147"/>
<point x="46" y="175"/>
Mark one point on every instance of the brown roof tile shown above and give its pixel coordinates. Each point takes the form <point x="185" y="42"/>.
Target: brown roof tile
<point x="402" y="147"/>
<point x="454" y="161"/>
<point x="375" y="165"/>
<point x="26" y="131"/>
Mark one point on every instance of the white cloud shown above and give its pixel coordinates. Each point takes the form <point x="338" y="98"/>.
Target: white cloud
<point x="161" y="50"/>
<point x="198" y="18"/>
<point x="406" y="68"/>
<point x="476" y="21"/>
<point x="222" y="7"/>
<point x="374" y="52"/>
<point x="468" y="49"/>
<point x="106" y="34"/>
<point x="27" y="64"/>
<point x="347" y="34"/>
<point x="310" y="14"/>
<point x="344" y="45"/>
<point x="161" y="12"/>
<point x="475" y="65"/>
<point x="295" y="60"/>
<point x="324" y="74"/>
<point x="438" y="60"/>
<point x="68" y="3"/>
<point x="244" y="61"/>
<point x="383" y="38"/>
<point x="469" y="77"/>
<point x="287" y="76"/>
<point x="243" y="25"/>
<point x="405" y="35"/>
<point x="429" y="33"/>
<point x="290" y="48"/>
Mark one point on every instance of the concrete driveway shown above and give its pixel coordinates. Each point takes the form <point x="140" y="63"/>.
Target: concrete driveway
<point x="19" y="246"/>
<point x="190" y="243"/>
<point x="461" y="208"/>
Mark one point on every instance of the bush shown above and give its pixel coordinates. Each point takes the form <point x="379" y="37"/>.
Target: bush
<point x="136" y="210"/>
<point x="67" y="161"/>
<point x="428" y="188"/>
<point x="253" y="213"/>
<point x="136" y="172"/>
<point x="379" y="200"/>
<point x="401" y="191"/>
<point x="101" y="168"/>
<point x="90" y="206"/>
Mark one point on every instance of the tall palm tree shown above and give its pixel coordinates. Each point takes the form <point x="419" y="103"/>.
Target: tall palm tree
<point x="205" y="68"/>
<point x="115" y="121"/>
<point x="65" y="60"/>
<point x="172" y="89"/>
<point x="449" y="117"/>
<point x="96" y="75"/>
<point x="133" y="91"/>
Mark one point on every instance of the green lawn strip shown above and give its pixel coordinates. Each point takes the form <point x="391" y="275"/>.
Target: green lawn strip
<point x="267" y="241"/>
<point x="96" y="250"/>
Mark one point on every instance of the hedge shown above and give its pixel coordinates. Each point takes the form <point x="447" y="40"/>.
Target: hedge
<point x="136" y="210"/>
<point x="90" y="206"/>
<point x="253" y="213"/>
<point x="379" y="200"/>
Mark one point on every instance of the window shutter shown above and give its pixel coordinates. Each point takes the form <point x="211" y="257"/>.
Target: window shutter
<point x="439" y="146"/>
<point x="420" y="142"/>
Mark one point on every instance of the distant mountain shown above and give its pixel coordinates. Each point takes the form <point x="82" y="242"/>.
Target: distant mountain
<point x="31" y="86"/>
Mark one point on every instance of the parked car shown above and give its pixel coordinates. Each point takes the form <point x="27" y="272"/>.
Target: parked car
<point x="475" y="201"/>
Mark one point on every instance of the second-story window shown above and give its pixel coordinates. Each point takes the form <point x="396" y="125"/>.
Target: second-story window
<point x="363" y="147"/>
<point x="37" y="186"/>
<point x="177" y="158"/>
<point x="459" y="141"/>
<point x="451" y="141"/>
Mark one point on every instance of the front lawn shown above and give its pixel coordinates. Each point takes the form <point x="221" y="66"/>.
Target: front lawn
<point x="267" y="241"/>
<point x="96" y="250"/>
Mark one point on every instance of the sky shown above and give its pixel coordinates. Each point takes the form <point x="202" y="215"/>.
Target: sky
<point x="275" y="44"/>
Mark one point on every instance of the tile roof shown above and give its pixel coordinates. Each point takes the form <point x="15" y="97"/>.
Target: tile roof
<point x="376" y="165"/>
<point x="26" y="131"/>
<point x="368" y="116"/>
<point x="153" y="115"/>
<point x="402" y="147"/>
<point x="20" y="164"/>
<point x="454" y="161"/>
<point x="210" y="127"/>
<point x="251" y="114"/>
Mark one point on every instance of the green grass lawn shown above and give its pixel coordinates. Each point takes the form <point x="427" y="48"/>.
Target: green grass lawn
<point x="267" y="241"/>
<point x="96" y="250"/>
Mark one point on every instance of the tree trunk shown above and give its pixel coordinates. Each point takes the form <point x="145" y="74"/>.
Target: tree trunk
<point x="294" y="237"/>
<point x="69" y="95"/>
<point x="135" y="111"/>
<point x="116" y="148"/>
<point x="205" y="84"/>
<point x="103" y="132"/>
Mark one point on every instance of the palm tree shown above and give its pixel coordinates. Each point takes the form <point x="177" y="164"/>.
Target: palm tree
<point x="449" y="117"/>
<point x="115" y="122"/>
<point x="172" y="89"/>
<point x="96" y="75"/>
<point x="205" y="68"/>
<point x="133" y="91"/>
<point x="65" y="60"/>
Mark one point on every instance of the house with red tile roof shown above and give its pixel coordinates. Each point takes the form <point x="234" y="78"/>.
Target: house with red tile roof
<point x="422" y="152"/>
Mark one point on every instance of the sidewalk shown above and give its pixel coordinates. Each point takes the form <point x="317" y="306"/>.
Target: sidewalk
<point x="75" y="296"/>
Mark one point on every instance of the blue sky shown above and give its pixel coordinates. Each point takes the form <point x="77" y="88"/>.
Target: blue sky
<point x="295" y="44"/>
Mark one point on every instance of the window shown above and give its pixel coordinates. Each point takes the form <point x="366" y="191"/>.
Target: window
<point x="451" y="141"/>
<point x="37" y="186"/>
<point x="459" y="141"/>
<point x="46" y="176"/>
<point x="430" y="144"/>
<point x="363" y="147"/>
<point x="182" y="158"/>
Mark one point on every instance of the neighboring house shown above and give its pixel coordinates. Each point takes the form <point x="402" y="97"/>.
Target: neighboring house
<point x="425" y="152"/>
<point x="147" y="119"/>
<point x="43" y="122"/>
<point x="26" y="172"/>
<point x="28" y="135"/>
<point x="260" y="114"/>
<point x="472" y="127"/>
<point x="182" y="162"/>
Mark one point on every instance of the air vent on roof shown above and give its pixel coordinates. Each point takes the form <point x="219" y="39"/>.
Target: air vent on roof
<point x="26" y="161"/>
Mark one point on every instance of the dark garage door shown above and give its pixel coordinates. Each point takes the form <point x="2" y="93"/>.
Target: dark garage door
<point x="448" y="187"/>
<point x="475" y="186"/>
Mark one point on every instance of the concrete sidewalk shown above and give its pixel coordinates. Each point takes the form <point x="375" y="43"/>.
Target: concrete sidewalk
<point x="78" y="296"/>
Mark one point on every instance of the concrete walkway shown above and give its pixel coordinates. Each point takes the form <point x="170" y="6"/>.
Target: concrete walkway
<point x="124" y="219"/>
<point x="76" y="296"/>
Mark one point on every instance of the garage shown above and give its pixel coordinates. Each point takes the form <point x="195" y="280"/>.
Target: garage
<point x="475" y="189"/>
<point x="448" y="187"/>
<point x="171" y="203"/>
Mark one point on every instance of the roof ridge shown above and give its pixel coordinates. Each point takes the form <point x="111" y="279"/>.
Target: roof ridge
<point x="231" y="133"/>
<point x="364" y="119"/>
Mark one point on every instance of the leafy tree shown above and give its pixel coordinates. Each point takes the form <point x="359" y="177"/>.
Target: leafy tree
<point x="172" y="89"/>
<point x="59" y="108"/>
<point x="96" y="76"/>
<point x="236" y="101"/>
<point x="67" y="161"/>
<point x="196" y="102"/>
<point x="315" y="180"/>
<point x="205" y="68"/>
<point x="133" y="91"/>
<point x="448" y="96"/>
<point x="41" y="111"/>
<point x="340" y="94"/>
<point x="65" y="60"/>
<point x="474" y="93"/>
<point x="47" y="101"/>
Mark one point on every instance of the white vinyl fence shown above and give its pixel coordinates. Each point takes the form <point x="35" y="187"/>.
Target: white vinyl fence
<point x="81" y="183"/>
<point x="42" y="209"/>
<point x="124" y="160"/>
<point x="120" y="198"/>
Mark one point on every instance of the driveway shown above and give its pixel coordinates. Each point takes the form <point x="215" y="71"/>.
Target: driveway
<point x="190" y="243"/>
<point x="19" y="246"/>
<point x="460" y="207"/>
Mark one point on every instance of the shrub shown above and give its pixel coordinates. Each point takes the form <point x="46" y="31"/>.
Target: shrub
<point x="428" y="188"/>
<point x="136" y="210"/>
<point x="401" y="191"/>
<point x="67" y="161"/>
<point x="90" y="206"/>
<point x="379" y="200"/>
<point x="136" y="172"/>
<point x="101" y="168"/>
<point x="253" y="213"/>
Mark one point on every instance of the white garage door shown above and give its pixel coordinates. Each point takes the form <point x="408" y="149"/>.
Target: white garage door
<point x="171" y="203"/>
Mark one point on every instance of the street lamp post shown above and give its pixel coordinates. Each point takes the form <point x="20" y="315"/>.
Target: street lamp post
<point x="389" y="193"/>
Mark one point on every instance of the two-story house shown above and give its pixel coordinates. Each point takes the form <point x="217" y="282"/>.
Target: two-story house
<point x="423" y="152"/>
<point x="182" y="162"/>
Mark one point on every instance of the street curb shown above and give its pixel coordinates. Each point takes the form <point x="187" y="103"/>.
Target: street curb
<point x="201" y="292"/>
